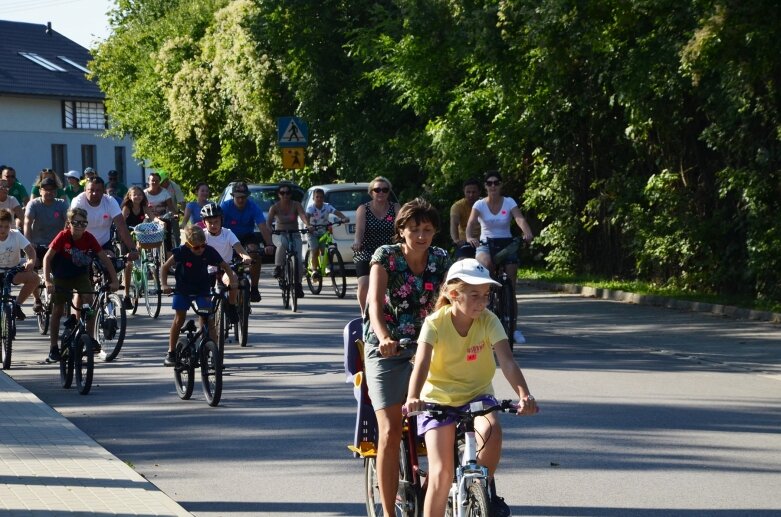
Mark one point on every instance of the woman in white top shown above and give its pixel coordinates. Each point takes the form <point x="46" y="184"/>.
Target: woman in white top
<point x="495" y="214"/>
<point x="160" y="203"/>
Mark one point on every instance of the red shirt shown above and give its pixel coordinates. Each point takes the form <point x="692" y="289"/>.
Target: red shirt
<point x="68" y="263"/>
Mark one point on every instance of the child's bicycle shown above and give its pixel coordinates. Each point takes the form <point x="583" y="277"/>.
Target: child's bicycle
<point x="197" y="349"/>
<point x="330" y="263"/>
<point x="76" y="345"/>
<point x="412" y="483"/>
<point x="7" y="315"/>
<point x="469" y="493"/>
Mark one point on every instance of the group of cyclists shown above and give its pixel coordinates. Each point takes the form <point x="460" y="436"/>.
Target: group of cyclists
<point x="64" y="229"/>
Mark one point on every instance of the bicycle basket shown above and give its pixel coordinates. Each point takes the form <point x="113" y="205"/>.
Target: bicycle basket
<point x="149" y="235"/>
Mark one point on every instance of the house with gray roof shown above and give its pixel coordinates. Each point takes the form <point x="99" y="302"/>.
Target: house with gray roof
<point x="51" y="115"/>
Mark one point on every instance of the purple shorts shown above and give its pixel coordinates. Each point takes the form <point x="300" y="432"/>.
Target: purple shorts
<point x="426" y="422"/>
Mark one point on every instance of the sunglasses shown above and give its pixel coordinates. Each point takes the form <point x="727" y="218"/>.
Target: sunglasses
<point x="384" y="190"/>
<point x="196" y="247"/>
<point x="79" y="224"/>
<point x="284" y="192"/>
<point x="494" y="183"/>
<point x="239" y="196"/>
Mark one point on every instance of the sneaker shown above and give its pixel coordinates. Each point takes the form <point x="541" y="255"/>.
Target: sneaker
<point x="18" y="314"/>
<point x="128" y="303"/>
<point x="277" y="272"/>
<point x="498" y="508"/>
<point x="232" y="313"/>
<point x="518" y="337"/>
<point x="37" y="306"/>
<point x="299" y="291"/>
<point x="53" y="357"/>
<point x="170" y="359"/>
<point x="254" y="295"/>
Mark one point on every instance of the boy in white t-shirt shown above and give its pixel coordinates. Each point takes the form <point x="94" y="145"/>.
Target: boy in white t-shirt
<point x="226" y="243"/>
<point x="317" y="213"/>
<point x="12" y="242"/>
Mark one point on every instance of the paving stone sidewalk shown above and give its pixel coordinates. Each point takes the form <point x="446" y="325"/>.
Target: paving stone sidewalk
<point x="49" y="467"/>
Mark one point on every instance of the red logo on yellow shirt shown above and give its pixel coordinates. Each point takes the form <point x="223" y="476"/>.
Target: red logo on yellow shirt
<point x="473" y="351"/>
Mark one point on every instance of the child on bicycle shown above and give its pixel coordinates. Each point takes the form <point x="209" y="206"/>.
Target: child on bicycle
<point x="66" y="269"/>
<point x="12" y="243"/>
<point x="192" y="261"/>
<point x="454" y="365"/>
<point x="226" y="243"/>
<point x="317" y="214"/>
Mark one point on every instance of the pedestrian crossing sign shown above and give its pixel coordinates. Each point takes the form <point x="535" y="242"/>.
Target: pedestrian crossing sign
<point x="292" y="132"/>
<point x="293" y="157"/>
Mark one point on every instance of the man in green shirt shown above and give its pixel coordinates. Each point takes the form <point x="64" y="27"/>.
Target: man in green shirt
<point x="15" y="188"/>
<point x="120" y="189"/>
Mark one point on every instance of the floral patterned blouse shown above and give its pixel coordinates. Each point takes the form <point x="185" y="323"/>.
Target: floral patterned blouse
<point x="408" y="298"/>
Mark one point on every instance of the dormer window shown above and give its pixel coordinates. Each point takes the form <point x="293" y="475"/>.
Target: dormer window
<point x="74" y="64"/>
<point x="38" y="60"/>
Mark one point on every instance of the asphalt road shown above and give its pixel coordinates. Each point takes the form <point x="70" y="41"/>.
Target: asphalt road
<point x="645" y="412"/>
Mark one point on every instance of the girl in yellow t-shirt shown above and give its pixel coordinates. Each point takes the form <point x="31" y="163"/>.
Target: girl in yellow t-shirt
<point x="454" y="365"/>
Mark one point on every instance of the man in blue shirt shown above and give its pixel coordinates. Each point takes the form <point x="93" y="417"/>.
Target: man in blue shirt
<point x="244" y="217"/>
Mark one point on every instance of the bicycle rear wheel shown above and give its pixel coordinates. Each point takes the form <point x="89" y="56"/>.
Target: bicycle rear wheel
<point x="66" y="364"/>
<point x="7" y="330"/>
<point x="476" y="500"/>
<point x="315" y="283"/>
<point x="111" y="325"/>
<point x="211" y="372"/>
<point x="184" y="369"/>
<point x="84" y="363"/>
<point x="338" y="277"/>
<point x="44" y="314"/>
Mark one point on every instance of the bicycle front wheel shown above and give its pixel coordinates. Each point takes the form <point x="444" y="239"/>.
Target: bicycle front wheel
<point x="291" y="272"/>
<point x="211" y="372"/>
<point x="151" y="291"/>
<point x="111" y="325"/>
<point x="221" y="322"/>
<point x="66" y="364"/>
<point x="184" y="369"/>
<point x="476" y="500"/>
<point x="338" y="276"/>
<point x="84" y="363"/>
<point x="314" y="281"/>
<point x="507" y="309"/>
<point x="243" y="306"/>
<point x="7" y="330"/>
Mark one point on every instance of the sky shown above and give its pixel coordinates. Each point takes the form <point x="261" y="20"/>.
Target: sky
<point x="83" y="21"/>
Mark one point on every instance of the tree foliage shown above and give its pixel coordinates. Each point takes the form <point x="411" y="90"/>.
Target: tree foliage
<point x="640" y="136"/>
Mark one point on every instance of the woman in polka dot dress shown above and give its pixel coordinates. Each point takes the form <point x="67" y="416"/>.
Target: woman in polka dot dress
<point x="374" y="223"/>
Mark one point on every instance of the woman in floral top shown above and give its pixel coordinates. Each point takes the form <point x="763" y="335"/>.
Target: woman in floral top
<point x="403" y="287"/>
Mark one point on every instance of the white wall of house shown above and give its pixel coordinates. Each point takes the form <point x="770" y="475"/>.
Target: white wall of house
<point x="30" y="126"/>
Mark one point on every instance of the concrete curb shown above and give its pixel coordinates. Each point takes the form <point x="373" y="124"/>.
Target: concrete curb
<point x="728" y="311"/>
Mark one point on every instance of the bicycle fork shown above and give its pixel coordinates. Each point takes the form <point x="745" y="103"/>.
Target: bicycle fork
<point x="466" y="473"/>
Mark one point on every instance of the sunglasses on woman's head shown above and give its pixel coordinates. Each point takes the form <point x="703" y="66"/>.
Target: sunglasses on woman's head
<point x="493" y="183"/>
<point x="79" y="224"/>
<point x="384" y="190"/>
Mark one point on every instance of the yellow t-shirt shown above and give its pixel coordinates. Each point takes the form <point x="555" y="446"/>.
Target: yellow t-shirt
<point x="462" y="368"/>
<point x="464" y="211"/>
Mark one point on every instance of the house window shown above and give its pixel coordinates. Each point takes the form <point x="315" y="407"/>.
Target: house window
<point x="83" y="115"/>
<point x="89" y="156"/>
<point x="60" y="158"/>
<point x="119" y="161"/>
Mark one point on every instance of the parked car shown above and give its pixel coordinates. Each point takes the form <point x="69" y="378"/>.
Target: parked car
<point x="345" y="197"/>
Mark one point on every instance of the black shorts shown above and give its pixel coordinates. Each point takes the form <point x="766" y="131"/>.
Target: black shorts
<point x="251" y="238"/>
<point x="362" y="268"/>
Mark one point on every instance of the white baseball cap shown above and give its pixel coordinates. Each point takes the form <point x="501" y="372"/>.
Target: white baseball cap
<point x="73" y="174"/>
<point x="470" y="271"/>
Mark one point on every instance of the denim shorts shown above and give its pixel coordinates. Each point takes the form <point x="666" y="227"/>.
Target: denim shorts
<point x="181" y="302"/>
<point x="426" y="422"/>
<point x="494" y="246"/>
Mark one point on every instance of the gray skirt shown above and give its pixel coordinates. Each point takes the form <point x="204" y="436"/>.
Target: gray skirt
<point x="387" y="378"/>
